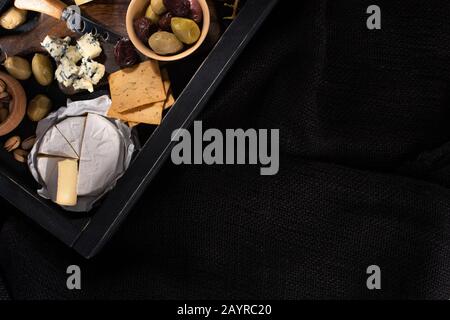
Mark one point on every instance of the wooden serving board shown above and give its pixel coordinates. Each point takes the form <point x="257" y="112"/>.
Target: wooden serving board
<point x="110" y="13"/>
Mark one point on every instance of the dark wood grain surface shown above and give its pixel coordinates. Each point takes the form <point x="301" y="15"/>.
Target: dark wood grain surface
<point x="110" y="13"/>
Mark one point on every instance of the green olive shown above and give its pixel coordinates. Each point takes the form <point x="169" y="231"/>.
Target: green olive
<point x="158" y="7"/>
<point x="186" y="30"/>
<point x="18" y="67"/>
<point x="39" y="107"/>
<point x="151" y="15"/>
<point x="42" y="69"/>
<point x="13" y="18"/>
<point x="165" y="43"/>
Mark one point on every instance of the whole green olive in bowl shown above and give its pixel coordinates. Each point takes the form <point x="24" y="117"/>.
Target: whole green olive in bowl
<point x="167" y="51"/>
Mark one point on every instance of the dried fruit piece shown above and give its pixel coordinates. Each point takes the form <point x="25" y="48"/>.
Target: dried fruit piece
<point x="186" y="30"/>
<point x="18" y="67"/>
<point x="125" y="53"/>
<point x="12" y="143"/>
<point x="179" y="8"/>
<point x="21" y="155"/>
<point x="165" y="22"/>
<point x="39" y="107"/>
<point x="165" y="43"/>
<point x="144" y="28"/>
<point x="28" y="143"/>
<point x="158" y="7"/>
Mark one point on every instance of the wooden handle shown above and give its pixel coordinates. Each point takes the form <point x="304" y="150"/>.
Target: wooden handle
<point x="53" y="8"/>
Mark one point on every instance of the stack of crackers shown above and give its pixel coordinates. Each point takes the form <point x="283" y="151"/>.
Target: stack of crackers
<point x="140" y="94"/>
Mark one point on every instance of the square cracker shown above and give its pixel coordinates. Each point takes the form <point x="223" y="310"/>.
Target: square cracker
<point x="136" y="86"/>
<point x="149" y="114"/>
<point x="170" y="101"/>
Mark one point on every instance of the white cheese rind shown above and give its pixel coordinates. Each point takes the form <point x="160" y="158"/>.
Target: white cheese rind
<point x="54" y="144"/>
<point x="100" y="156"/>
<point x="72" y="129"/>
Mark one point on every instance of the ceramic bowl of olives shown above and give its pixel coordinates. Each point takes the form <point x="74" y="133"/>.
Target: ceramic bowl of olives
<point x="168" y="30"/>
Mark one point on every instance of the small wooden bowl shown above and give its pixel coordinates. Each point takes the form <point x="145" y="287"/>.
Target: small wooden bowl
<point x="17" y="106"/>
<point x="137" y="9"/>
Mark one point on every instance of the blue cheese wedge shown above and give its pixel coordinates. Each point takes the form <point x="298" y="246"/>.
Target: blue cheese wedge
<point x="56" y="47"/>
<point x="89" y="47"/>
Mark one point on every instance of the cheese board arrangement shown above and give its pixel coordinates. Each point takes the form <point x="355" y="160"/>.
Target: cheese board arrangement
<point x="91" y="92"/>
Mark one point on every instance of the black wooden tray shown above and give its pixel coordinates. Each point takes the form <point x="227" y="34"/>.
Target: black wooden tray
<point x="88" y="234"/>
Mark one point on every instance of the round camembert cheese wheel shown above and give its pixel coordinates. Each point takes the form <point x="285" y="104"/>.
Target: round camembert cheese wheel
<point x="94" y="142"/>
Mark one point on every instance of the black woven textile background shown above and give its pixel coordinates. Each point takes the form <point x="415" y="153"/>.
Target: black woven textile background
<point x="364" y="119"/>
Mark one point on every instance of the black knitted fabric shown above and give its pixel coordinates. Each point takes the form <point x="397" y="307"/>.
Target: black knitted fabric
<point x="364" y="175"/>
<point x="3" y="291"/>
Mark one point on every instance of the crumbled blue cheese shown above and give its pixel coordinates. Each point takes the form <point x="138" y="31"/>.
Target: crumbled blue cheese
<point x="69" y="72"/>
<point x="83" y="84"/>
<point x="89" y="46"/>
<point x="73" y="54"/>
<point x="91" y="70"/>
<point x="90" y="74"/>
<point x="56" y="47"/>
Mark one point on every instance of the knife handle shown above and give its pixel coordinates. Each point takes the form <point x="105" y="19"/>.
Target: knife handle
<point x="53" y="8"/>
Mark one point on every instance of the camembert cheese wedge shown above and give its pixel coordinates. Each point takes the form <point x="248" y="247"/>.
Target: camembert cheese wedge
<point x="55" y="144"/>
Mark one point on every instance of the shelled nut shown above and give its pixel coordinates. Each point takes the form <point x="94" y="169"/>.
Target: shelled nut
<point x="12" y="143"/>
<point x="4" y="96"/>
<point x="28" y="143"/>
<point x="21" y="155"/>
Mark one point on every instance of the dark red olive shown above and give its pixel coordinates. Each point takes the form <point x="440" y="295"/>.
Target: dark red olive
<point x="125" y="53"/>
<point x="196" y="11"/>
<point x="144" y="28"/>
<point x="165" y="22"/>
<point x="179" y="8"/>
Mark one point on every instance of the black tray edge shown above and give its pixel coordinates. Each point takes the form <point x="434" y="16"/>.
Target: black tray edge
<point x="218" y="63"/>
